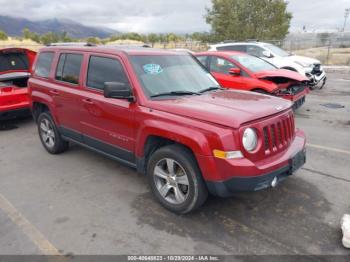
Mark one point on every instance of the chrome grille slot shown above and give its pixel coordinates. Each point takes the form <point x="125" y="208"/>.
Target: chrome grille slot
<point x="266" y="139"/>
<point x="273" y="136"/>
<point x="278" y="135"/>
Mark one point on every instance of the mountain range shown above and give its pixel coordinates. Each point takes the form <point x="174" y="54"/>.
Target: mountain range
<point x="14" y="26"/>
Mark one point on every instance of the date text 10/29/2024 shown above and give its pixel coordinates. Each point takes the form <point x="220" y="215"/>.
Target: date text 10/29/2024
<point x="174" y="258"/>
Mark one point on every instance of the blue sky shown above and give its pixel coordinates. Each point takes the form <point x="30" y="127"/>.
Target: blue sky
<point x="179" y="16"/>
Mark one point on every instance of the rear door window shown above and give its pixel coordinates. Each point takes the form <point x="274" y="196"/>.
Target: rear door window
<point x="43" y="66"/>
<point x="104" y="69"/>
<point x="68" y="68"/>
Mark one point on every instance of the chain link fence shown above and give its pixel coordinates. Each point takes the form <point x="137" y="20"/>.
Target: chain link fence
<point x="329" y="48"/>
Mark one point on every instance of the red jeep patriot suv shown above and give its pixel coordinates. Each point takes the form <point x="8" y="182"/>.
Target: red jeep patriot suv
<point x="162" y="113"/>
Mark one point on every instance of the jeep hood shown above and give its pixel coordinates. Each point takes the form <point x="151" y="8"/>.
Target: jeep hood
<point x="227" y="108"/>
<point x="280" y="73"/>
<point x="304" y="60"/>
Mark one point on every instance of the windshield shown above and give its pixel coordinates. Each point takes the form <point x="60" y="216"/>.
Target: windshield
<point x="253" y="63"/>
<point x="276" y="50"/>
<point x="160" y="74"/>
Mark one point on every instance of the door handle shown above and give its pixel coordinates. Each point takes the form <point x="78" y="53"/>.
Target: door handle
<point x="88" y="101"/>
<point x="54" y="92"/>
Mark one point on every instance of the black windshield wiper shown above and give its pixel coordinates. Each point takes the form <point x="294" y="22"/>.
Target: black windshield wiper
<point x="175" y="93"/>
<point x="212" y="88"/>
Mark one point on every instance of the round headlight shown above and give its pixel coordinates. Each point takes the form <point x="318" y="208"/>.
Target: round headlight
<point x="250" y="139"/>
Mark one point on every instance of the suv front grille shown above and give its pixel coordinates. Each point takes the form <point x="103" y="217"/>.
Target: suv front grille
<point x="278" y="135"/>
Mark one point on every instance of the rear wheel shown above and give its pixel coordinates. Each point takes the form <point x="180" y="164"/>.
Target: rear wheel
<point x="50" y="136"/>
<point x="176" y="180"/>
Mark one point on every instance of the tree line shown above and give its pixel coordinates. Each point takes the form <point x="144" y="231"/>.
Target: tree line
<point x="152" y="38"/>
<point x="229" y="20"/>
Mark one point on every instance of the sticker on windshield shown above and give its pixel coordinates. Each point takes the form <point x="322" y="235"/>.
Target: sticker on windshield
<point x="152" y="69"/>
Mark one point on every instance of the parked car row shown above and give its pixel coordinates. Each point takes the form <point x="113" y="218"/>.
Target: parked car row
<point x="162" y="113"/>
<point x="309" y="67"/>
<point x="170" y="115"/>
<point x="250" y="66"/>
<point x="242" y="71"/>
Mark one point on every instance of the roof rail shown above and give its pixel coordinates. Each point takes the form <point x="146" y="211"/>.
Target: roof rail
<point x="71" y="44"/>
<point x="129" y="46"/>
<point x="229" y="41"/>
<point x="252" y="40"/>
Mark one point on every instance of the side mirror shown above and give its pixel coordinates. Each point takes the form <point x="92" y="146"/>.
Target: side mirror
<point x="234" y="71"/>
<point x="267" y="54"/>
<point x="117" y="90"/>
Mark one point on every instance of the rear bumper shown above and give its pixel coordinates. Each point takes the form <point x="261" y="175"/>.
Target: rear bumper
<point x="15" y="113"/>
<point x="249" y="184"/>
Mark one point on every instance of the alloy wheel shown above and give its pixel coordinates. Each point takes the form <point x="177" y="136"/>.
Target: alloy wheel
<point x="47" y="133"/>
<point x="171" y="181"/>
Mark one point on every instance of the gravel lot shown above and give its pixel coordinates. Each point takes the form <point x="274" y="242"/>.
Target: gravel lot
<point x="82" y="203"/>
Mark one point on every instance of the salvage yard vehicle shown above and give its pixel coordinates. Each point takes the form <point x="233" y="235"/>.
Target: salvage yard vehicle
<point x="306" y="66"/>
<point x="242" y="71"/>
<point x="162" y="113"/>
<point x="15" y="65"/>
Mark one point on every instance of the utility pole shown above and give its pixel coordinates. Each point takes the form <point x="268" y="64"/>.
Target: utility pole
<point x="346" y="16"/>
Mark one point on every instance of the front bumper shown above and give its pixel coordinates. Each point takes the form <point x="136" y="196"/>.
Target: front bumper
<point x="317" y="79"/>
<point x="225" y="177"/>
<point x="248" y="184"/>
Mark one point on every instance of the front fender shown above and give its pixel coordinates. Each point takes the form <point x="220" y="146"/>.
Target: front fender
<point x="200" y="136"/>
<point x="187" y="136"/>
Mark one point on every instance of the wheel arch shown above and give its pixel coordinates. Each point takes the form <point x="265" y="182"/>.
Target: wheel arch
<point x="38" y="108"/>
<point x="149" y="142"/>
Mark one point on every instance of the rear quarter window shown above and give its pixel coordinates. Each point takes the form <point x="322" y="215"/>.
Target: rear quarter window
<point x="43" y="65"/>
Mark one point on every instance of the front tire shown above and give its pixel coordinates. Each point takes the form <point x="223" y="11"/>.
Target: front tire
<point x="176" y="180"/>
<point x="49" y="135"/>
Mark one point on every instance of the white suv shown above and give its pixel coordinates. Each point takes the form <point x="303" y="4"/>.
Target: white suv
<point x="309" y="67"/>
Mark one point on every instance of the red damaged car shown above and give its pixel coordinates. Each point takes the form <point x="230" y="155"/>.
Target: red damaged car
<point x="242" y="71"/>
<point x="15" y="66"/>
